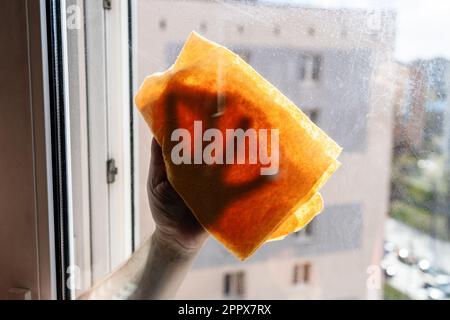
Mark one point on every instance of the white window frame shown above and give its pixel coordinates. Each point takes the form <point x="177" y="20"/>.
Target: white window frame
<point x="100" y="130"/>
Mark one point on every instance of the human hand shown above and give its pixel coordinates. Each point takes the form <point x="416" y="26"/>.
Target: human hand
<point x="176" y="225"/>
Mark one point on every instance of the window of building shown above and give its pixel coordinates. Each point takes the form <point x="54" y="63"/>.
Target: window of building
<point x="313" y="114"/>
<point x="317" y="67"/>
<point x="301" y="274"/>
<point x="234" y="284"/>
<point x="310" y="67"/>
<point x="305" y="232"/>
<point x="277" y="29"/>
<point x="245" y="54"/>
<point x="203" y="27"/>
<point x="163" y="24"/>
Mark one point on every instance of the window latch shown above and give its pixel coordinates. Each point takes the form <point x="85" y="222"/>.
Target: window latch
<point x="107" y="4"/>
<point x="111" y="171"/>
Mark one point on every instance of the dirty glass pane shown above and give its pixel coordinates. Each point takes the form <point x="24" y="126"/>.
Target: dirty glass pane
<point x="375" y="75"/>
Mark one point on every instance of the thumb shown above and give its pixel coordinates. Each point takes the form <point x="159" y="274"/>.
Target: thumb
<point x="157" y="172"/>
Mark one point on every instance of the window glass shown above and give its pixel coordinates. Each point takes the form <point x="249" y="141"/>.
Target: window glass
<point x="375" y="75"/>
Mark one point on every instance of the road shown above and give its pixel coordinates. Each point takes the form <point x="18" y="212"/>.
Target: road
<point x="420" y="244"/>
<point x="410" y="279"/>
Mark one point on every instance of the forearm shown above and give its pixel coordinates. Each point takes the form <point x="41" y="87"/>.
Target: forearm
<point x="154" y="271"/>
<point x="123" y="281"/>
<point x="165" y="269"/>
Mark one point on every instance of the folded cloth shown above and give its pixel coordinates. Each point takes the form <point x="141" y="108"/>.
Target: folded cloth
<point x="238" y="204"/>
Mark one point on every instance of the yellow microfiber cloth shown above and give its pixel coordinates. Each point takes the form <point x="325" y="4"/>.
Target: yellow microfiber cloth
<point x="238" y="205"/>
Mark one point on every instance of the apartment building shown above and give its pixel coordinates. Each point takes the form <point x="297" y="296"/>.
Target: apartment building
<point x="409" y="108"/>
<point x="336" y="65"/>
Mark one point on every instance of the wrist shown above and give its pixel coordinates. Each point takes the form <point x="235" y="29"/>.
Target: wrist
<point x="170" y="245"/>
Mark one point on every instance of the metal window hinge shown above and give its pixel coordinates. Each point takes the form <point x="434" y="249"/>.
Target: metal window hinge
<point x="107" y="4"/>
<point x="111" y="171"/>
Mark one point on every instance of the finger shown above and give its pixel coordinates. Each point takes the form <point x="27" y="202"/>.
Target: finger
<point x="157" y="171"/>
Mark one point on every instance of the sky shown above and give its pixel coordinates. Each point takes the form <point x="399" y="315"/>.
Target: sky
<point x="423" y="26"/>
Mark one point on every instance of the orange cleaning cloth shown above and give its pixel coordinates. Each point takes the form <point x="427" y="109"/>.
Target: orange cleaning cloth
<point x="234" y="201"/>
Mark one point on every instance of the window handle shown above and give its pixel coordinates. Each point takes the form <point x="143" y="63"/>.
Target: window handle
<point x="111" y="171"/>
<point x="107" y="5"/>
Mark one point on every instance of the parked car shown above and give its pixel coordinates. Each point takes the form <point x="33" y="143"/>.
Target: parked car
<point x="424" y="265"/>
<point x="388" y="247"/>
<point x="435" y="277"/>
<point x="389" y="270"/>
<point x="440" y="292"/>
<point x="406" y="257"/>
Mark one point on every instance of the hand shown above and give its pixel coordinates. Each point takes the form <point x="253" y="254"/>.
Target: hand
<point x="176" y="225"/>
